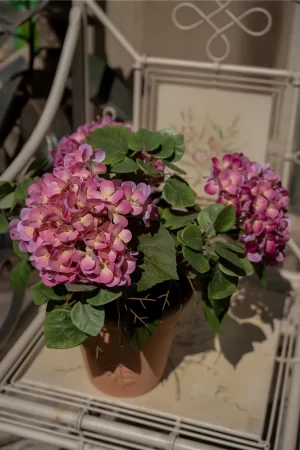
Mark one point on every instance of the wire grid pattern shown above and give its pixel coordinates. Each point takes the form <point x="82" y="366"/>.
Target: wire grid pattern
<point x="171" y="426"/>
<point x="218" y="36"/>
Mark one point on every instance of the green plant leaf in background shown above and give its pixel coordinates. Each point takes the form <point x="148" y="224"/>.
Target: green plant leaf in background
<point x="3" y="223"/>
<point x="159" y="262"/>
<point x="80" y="287"/>
<point x="206" y="218"/>
<point x="7" y="201"/>
<point x="59" y="331"/>
<point x="221" y="285"/>
<point x="113" y="139"/>
<point x="125" y="166"/>
<point x="174" y="168"/>
<point x="19" y="275"/>
<point x="21" y="192"/>
<point x="102" y="297"/>
<point x="177" y="219"/>
<point x="18" y="252"/>
<point x="147" y="168"/>
<point x="6" y="187"/>
<point x="260" y="270"/>
<point x="144" y="141"/>
<point x="37" y="165"/>
<point x="198" y="261"/>
<point x="179" y="148"/>
<point x="178" y="193"/>
<point x="87" y="318"/>
<point x="225" y="220"/>
<point x="192" y="237"/>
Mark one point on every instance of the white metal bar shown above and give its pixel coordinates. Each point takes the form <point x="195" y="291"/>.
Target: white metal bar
<point x="295" y="248"/>
<point x="102" y="17"/>
<point x="137" y="96"/>
<point x="22" y="343"/>
<point x="54" y="98"/>
<point x="291" y="135"/>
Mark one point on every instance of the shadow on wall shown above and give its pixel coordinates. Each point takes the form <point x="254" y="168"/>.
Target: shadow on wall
<point x="252" y="308"/>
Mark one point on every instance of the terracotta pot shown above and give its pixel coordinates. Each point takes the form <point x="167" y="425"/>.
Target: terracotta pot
<point x="122" y="371"/>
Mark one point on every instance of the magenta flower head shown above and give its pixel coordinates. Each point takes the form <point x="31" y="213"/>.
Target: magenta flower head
<point x="75" y="223"/>
<point x="260" y="202"/>
<point x="70" y="143"/>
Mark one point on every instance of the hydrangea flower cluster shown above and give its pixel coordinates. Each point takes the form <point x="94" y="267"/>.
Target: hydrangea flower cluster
<point x="260" y="201"/>
<point x="70" y="143"/>
<point x="74" y="225"/>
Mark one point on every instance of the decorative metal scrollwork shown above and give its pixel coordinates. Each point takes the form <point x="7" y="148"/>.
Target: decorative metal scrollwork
<point x="219" y="32"/>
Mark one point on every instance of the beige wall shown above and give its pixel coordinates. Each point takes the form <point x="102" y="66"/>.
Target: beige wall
<point x="148" y="25"/>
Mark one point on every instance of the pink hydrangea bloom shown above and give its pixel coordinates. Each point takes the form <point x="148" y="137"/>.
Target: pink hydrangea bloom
<point x="260" y="202"/>
<point x="70" y="143"/>
<point x="74" y="223"/>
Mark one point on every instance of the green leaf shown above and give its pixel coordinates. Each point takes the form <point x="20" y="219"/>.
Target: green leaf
<point x="6" y="187"/>
<point x="80" y="287"/>
<point x="141" y="334"/>
<point x="113" y="139"/>
<point x="179" y="148"/>
<point x="230" y="272"/>
<point x="221" y="285"/>
<point x="178" y="193"/>
<point x="7" y="201"/>
<point x="18" y="252"/>
<point x="215" y="312"/>
<point x="144" y="141"/>
<point x="87" y="319"/>
<point x="60" y="332"/>
<point x="229" y="255"/>
<point x="148" y="168"/>
<point x="37" y="165"/>
<point x="237" y="248"/>
<point x="41" y="293"/>
<point x="210" y="252"/>
<point x="19" y="275"/>
<point x="3" y="223"/>
<point x="167" y="132"/>
<point x="180" y="238"/>
<point x="174" y="168"/>
<point x="260" y="270"/>
<point x="225" y="220"/>
<point x="21" y="192"/>
<point x="206" y="218"/>
<point x="125" y="166"/>
<point x="211" y="317"/>
<point x="159" y="259"/>
<point x="192" y="237"/>
<point x="102" y="297"/>
<point x="166" y="148"/>
<point x="177" y="219"/>
<point x="197" y="260"/>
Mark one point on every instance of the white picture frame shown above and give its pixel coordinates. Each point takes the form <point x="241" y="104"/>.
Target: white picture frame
<point x="218" y="114"/>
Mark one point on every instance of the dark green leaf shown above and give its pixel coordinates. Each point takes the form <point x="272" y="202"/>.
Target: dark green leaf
<point x="144" y="141"/>
<point x="3" y="223"/>
<point x="215" y="313"/>
<point x="179" y="237"/>
<point x="113" y="139"/>
<point x="80" y="287"/>
<point x="166" y="148"/>
<point x="232" y="257"/>
<point x="6" y="187"/>
<point x="197" y="260"/>
<point x="141" y="334"/>
<point x="125" y="166"/>
<point x="102" y="297"/>
<point x="37" y="165"/>
<point x="18" y="252"/>
<point x="210" y="252"/>
<point x="19" y="275"/>
<point x="7" y="201"/>
<point x="225" y="220"/>
<point x="87" y="319"/>
<point x="179" y="148"/>
<point x="237" y="248"/>
<point x="42" y="293"/>
<point x="178" y="193"/>
<point x="221" y="285"/>
<point x="177" y="219"/>
<point x="192" y="237"/>
<point x="148" y="168"/>
<point x="260" y="270"/>
<point x="230" y="272"/>
<point x="211" y="317"/>
<point x="206" y="218"/>
<point x="174" y="168"/>
<point x="21" y="192"/>
<point x="60" y="332"/>
<point x="159" y="259"/>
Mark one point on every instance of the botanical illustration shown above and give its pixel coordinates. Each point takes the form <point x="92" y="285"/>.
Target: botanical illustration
<point x="203" y="141"/>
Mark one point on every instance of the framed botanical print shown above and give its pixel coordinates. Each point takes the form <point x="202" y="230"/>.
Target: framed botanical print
<point x="217" y="114"/>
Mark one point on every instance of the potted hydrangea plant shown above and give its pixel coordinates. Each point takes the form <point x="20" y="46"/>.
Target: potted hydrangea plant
<point x="120" y="245"/>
